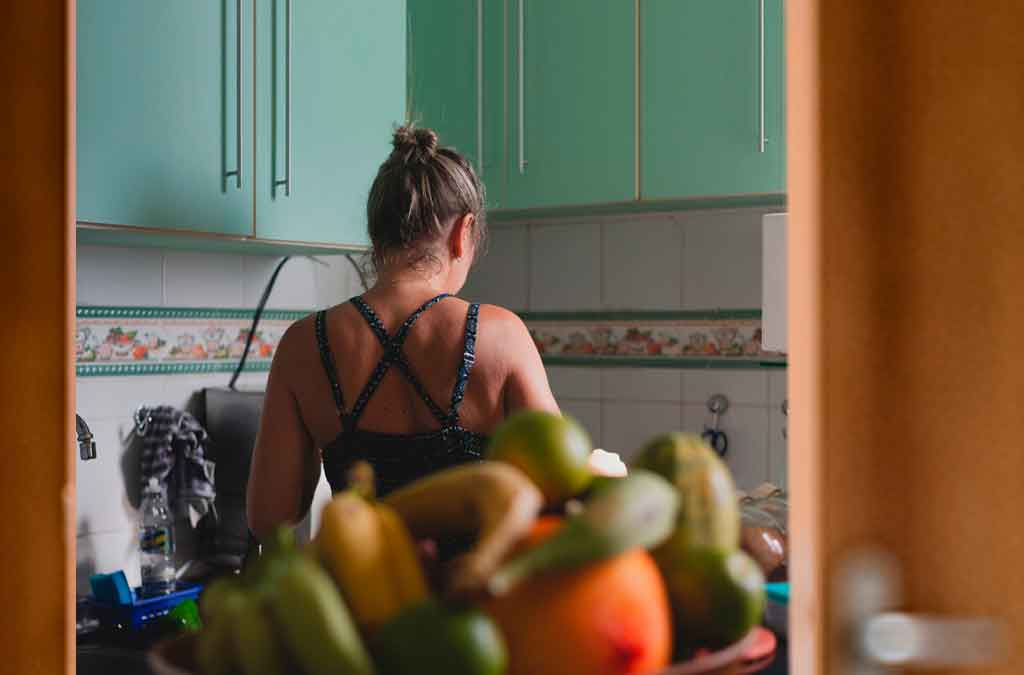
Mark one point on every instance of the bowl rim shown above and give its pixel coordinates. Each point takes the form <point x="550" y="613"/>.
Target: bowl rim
<point x="159" y="662"/>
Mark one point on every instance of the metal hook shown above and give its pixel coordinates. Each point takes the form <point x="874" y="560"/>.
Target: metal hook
<point x="719" y="442"/>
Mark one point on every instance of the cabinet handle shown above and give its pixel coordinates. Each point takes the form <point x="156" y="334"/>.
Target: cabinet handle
<point x="287" y="180"/>
<point x="522" y="78"/>
<point x="237" y="173"/>
<point x="760" y="87"/>
<point x="480" y="87"/>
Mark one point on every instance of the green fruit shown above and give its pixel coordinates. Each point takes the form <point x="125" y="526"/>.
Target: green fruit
<point x="638" y="510"/>
<point x="709" y="513"/>
<point x="717" y="596"/>
<point x="432" y="639"/>
<point x="552" y="450"/>
<point x="317" y="627"/>
<point x="216" y="649"/>
<point x="257" y="640"/>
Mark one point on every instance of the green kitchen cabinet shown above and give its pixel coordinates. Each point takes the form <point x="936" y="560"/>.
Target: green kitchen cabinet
<point x="571" y="113"/>
<point x="456" y="81"/>
<point x="164" y="123"/>
<point x="330" y="90"/>
<point x="712" y="97"/>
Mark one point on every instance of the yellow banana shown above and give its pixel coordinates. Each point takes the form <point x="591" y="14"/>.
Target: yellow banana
<point x="371" y="557"/>
<point x="494" y="500"/>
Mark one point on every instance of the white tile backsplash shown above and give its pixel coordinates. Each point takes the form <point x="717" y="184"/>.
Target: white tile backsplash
<point x="336" y="280"/>
<point x="628" y="425"/>
<point x="641" y="384"/>
<point x="739" y="386"/>
<point x="642" y="264"/>
<point x="114" y="275"/>
<point x="295" y="287"/>
<point x="579" y="383"/>
<point x="500" y="276"/>
<point x="777" y="448"/>
<point x="115" y="398"/>
<point x="565" y="267"/>
<point x="588" y="414"/>
<point x="777" y="387"/>
<point x="746" y="428"/>
<point x="721" y="259"/>
<point x="106" y="552"/>
<point x="194" y="279"/>
<point x="103" y="484"/>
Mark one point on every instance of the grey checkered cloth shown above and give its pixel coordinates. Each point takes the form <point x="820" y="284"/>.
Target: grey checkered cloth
<point x="174" y="452"/>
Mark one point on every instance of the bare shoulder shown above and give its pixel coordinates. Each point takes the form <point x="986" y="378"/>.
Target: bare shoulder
<point x="505" y="322"/>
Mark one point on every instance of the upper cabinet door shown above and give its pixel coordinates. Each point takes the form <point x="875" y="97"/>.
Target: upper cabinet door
<point x="456" y="74"/>
<point x="164" y="114"/>
<point x="572" y="123"/>
<point x="330" y="89"/>
<point x="711" y="80"/>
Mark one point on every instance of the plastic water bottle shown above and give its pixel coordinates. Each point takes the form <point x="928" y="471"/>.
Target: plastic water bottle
<point x="156" y="542"/>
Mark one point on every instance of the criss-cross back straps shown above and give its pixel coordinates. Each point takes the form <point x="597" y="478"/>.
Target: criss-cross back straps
<point x="393" y="355"/>
<point x="328" y="360"/>
<point x="468" y="359"/>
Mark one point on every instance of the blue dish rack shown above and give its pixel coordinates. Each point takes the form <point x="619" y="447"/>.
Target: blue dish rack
<point x="141" y="611"/>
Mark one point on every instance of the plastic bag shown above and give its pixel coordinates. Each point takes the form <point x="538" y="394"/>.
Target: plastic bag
<point x="763" y="534"/>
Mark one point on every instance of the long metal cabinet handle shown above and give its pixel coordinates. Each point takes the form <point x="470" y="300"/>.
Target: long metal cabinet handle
<point x="522" y="77"/>
<point x="237" y="173"/>
<point x="480" y="87"/>
<point x="287" y="180"/>
<point x="760" y="87"/>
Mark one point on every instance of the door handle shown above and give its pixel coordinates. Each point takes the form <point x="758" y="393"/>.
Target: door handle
<point x="287" y="180"/>
<point x="480" y="87"/>
<point x="877" y="636"/>
<point x="522" y="88"/>
<point x="760" y="83"/>
<point x="237" y="173"/>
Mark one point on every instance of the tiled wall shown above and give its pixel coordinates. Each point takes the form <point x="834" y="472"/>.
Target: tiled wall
<point x="691" y="260"/>
<point x="106" y="518"/>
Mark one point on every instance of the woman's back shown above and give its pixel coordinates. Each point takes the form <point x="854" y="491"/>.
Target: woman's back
<point x="405" y="376"/>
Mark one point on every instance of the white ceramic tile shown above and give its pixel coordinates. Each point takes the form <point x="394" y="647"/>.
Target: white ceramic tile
<point x="295" y="287"/>
<point x="115" y="275"/>
<point x="337" y="280"/>
<point x="253" y="380"/>
<point x="105" y="553"/>
<point x="179" y="389"/>
<point x="746" y="428"/>
<point x="642" y="264"/>
<point x="777" y="387"/>
<point x="579" y="383"/>
<point x="565" y="267"/>
<point x="194" y="279"/>
<point x="739" y="386"/>
<point x="106" y="398"/>
<point x="588" y="414"/>
<point x="628" y="425"/>
<point x="641" y="384"/>
<point x="102" y="485"/>
<point x="721" y="259"/>
<point x="500" y="276"/>
<point x="778" y="467"/>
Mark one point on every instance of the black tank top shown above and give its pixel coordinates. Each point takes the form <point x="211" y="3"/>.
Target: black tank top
<point x="398" y="459"/>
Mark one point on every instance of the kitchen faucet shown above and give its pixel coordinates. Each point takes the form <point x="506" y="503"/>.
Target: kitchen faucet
<point x="86" y="445"/>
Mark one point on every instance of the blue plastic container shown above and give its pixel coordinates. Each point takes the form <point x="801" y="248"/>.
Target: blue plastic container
<point x="141" y="611"/>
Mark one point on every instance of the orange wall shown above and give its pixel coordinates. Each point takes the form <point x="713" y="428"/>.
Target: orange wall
<point x="37" y="386"/>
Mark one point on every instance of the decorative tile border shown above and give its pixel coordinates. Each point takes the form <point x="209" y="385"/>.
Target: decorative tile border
<point x="685" y="339"/>
<point x="159" y="340"/>
<point x="180" y="340"/>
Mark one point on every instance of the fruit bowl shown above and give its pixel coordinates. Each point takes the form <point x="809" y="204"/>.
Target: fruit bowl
<point x="176" y="656"/>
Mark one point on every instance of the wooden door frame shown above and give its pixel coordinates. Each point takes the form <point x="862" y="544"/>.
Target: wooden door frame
<point x="37" y="482"/>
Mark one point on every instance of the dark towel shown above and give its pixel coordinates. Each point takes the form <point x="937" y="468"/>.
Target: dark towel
<point x="174" y="452"/>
